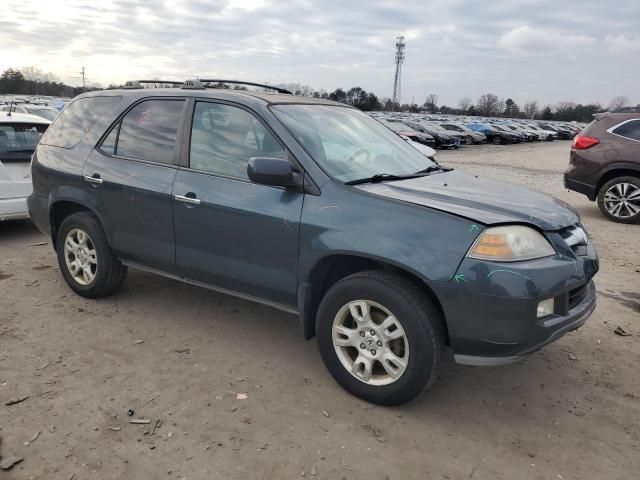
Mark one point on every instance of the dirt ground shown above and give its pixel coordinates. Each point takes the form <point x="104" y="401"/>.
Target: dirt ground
<point x="179" y="354"/>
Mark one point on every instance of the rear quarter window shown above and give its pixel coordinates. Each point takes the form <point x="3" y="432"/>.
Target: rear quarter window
<point x="629" y="129"/>
<point x="77" y="119"/>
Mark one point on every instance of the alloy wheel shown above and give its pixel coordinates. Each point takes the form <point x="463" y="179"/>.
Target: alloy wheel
<point x="370" y="342"/>
<point x="622" y="200"/>
<point x="80" y="256"/>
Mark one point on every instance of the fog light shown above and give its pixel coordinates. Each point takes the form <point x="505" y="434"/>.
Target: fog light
<point x="546" y="307"/>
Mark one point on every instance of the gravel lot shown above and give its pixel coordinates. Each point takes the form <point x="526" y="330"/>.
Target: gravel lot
<point x="180" y="354"/>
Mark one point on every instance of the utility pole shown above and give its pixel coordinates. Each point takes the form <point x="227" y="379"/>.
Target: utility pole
<point x="83" y="83"/>
<point x="400" y="45"/>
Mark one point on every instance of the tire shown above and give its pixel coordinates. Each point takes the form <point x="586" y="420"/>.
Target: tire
<point x="627" y="188"/>
<point x="104" y="272"/>
<point x="497" y="140"/>
<point x="468" y="140"/>
<point x="421" y="344"/>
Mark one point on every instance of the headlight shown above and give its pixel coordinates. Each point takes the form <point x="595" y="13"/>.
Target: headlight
<point x="510" y="243"/>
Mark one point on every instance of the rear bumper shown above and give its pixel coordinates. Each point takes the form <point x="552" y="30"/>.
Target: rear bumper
<point x="13" y="208"/>
<point x="38" y="206"/>
<point x="580" y="187"/>
<point x="554" y="327"/>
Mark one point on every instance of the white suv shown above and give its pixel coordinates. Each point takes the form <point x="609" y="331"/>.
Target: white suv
<point x="19" y="136"/>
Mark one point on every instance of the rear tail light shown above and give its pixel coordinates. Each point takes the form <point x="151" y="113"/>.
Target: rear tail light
<point x="582" y="143"/>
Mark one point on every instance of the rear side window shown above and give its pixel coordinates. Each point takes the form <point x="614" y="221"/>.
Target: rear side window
<point x="77" y="119"/>
<point x="147" y="132"/>
<point x="630" y="129"/>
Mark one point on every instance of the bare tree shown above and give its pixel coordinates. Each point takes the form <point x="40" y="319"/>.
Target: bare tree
<point x="33" y="74"/>
<point x="464" y="103"/>
<point x="531" y="109"/>
<point x="431" y="103"/>
<point x="489" y="105"/>
<point x="619" y="102"/>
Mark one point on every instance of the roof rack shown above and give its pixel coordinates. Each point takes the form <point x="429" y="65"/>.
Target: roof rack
<point x="239" y="82"/>
<point x="135" y="84"/>
<point x="200" y="84"/>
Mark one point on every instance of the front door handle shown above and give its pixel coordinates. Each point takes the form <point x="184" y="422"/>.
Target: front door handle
<point x="94" y="179"/>
<point x="188" y="198"/>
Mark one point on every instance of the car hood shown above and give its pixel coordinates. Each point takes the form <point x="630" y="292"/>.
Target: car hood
<point x="481" y="199"/>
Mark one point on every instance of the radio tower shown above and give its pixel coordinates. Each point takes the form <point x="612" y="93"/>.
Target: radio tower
<point x="398" y="78"/>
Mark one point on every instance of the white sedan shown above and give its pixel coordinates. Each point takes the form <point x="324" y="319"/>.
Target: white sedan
<point x="19" y="135"/>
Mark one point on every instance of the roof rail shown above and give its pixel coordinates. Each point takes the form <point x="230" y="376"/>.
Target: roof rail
<point x="132" y="84"/>
<point x="239" y="82"/>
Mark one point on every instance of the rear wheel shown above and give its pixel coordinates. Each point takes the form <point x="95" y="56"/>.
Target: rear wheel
<point x="619" y="199"/>
<point x="468" y="140"/>
<point x="380" y="337"/>
<point x="86" y="261"/>
<point x="497" y="140"/>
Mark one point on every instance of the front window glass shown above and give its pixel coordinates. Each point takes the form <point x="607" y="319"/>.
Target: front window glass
<point x="224" y="138"/>
<point x="347" y="144"/>
<point x="19" y="140"/>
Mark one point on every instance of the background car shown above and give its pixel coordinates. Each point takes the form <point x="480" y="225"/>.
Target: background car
<point x="410" y="133"/>
<point x="470" y="136"/>
<point x="442" y="138"/>
<point x="19" y="136"/>
<point x="494" y="135"/>
<point x="605" y="165"/>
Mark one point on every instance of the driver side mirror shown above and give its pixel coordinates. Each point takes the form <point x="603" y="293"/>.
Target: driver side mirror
<point x="276" y="172"/>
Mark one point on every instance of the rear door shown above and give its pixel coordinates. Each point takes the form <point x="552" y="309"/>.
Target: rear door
<point x="131" y="175"/>
<point x="230" y="232"/>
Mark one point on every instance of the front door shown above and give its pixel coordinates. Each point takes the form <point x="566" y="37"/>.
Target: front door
<point x="232" y="233"/>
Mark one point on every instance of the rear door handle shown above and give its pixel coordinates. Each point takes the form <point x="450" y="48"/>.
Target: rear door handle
<point x="188" y="198"/>
<point x="95" y="179"/>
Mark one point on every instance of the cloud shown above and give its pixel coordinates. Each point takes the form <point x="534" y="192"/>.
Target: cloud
<point x="622" y="44"/>
<point x="525" y="39"/>
<point x="455" y="48"/>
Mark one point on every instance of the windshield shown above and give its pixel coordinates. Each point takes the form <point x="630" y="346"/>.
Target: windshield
<point x="347" y="144"/>
<point x="44" y="113"/>
<point x="18" y="140"/>
<point x="435" y="127"/>
<point x="398" y="127"/>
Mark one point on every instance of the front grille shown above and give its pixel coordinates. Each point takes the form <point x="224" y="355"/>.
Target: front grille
<point x="577" y="295"/>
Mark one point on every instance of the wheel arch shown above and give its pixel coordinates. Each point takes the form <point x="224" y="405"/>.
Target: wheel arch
<point x="614" y="171"/>
<point x="64" y="205"/>
<point x="330" y="269"/>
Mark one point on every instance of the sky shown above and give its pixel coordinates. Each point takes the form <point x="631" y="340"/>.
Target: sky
<point x="544" y="50"/>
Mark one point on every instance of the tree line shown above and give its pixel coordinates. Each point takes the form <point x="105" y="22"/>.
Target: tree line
<point x="33" y="81"/>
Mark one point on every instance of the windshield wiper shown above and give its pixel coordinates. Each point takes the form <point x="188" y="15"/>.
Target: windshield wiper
<point x="384" y="177"/>
<point x="432" y="168"/>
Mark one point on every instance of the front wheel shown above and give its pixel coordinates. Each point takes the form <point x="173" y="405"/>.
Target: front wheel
<point x="619" y="199"/>
<point x="380" y="337"/>
<point x="497" y="140"/>
<point x="468" y="140"/>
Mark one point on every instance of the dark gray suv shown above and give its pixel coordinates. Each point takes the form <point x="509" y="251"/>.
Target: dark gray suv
<point x="312" y="207"/>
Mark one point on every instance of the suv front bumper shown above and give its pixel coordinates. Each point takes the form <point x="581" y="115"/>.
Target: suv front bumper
<point x="554" y="327"/>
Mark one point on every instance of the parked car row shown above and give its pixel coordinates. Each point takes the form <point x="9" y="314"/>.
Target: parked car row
<point x="42" y="106"/>
<point x="452" y="131"/>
